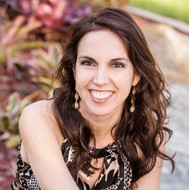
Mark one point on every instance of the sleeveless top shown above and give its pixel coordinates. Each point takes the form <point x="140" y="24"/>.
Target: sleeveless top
<point x="116" y="173"/>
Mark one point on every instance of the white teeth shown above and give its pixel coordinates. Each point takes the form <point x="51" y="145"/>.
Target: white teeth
<point x="100" y="95"/>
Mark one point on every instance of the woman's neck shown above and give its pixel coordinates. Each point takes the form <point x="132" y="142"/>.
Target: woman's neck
<point x="103" y="128"/>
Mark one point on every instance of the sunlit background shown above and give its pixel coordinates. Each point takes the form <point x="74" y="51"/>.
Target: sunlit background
<point x="33" y="34"/>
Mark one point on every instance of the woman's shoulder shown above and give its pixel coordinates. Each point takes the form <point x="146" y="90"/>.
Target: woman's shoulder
<point x="40" y="106"/>
<point x="38" y="110"/>
<point x="38" y="118"/>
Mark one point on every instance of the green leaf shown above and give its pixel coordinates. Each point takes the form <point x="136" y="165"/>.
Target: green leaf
<point x="5" y="122"/>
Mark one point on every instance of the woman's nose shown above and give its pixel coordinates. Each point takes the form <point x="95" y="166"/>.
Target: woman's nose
<point x="100" y="76"/>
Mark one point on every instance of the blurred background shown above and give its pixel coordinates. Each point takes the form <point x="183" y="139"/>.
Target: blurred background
<point x="33" y="34"/>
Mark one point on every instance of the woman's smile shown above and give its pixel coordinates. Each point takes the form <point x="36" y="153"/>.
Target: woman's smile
<point x="100" y="96"/>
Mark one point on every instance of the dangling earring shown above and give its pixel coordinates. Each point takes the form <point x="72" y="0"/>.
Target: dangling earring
<point x="76" y="104"/>
<point x="132" y="108"/>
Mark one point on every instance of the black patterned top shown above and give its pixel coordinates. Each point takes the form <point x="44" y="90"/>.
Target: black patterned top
<point x="116" y="173"/>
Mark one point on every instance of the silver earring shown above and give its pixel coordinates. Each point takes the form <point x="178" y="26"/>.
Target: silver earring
<point x="132" y="108"/>
<point x="76" y="103"/>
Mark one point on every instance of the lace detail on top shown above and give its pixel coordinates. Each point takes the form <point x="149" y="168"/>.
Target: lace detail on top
<point x="116" y="172"/>
<point x="25" y="178"/>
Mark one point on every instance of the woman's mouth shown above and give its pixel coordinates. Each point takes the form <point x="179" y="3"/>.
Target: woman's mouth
<point x="101" y="95"/>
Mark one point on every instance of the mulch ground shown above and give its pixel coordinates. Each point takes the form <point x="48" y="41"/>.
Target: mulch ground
<point x="8" y="158"/>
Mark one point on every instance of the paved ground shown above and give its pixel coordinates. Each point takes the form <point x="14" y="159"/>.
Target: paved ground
<point x="179" y="143"/>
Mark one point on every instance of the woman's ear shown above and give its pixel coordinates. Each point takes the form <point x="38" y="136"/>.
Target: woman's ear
<point x="136" y="79"/>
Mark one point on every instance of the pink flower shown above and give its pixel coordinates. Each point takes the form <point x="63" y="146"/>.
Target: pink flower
<point x="51" y="13"/>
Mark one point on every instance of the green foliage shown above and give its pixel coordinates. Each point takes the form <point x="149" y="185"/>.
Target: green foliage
<point x="40" y="64"/>
<point x="10" y="114"/>
<point x="9" y="117"/>
<point x="178" y="9"/>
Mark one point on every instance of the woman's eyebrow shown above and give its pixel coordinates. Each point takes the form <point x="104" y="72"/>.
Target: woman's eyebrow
<point x="114" y="59"/>
<point x="121" y="59"/>
<point x="86" y="57"/>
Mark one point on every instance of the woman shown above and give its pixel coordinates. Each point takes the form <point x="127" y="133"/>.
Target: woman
<point x="105" y="126"/>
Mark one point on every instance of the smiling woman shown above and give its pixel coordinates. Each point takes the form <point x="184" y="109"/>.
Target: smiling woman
<point x="100" y="75"/>
<point x="107" y="118"/>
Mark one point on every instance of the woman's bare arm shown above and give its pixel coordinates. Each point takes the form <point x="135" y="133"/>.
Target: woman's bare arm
<point x="150" y="181"/>
<point x="41" y="145"/>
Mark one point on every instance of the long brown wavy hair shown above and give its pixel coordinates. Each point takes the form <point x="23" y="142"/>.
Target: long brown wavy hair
<point x="145" y="127"/>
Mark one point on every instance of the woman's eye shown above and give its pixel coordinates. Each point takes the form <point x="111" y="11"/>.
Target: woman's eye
<point x="118" y="65"/>
<point x="87" y="63"/>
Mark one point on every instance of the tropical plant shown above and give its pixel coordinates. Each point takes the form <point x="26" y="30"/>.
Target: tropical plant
<point x="9" y="119"/>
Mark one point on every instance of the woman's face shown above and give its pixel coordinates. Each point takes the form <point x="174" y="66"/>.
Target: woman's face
<point x="103" y="73"/>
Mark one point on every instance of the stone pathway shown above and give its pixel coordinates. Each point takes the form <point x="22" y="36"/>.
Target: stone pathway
<point x="179" y="143"/>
